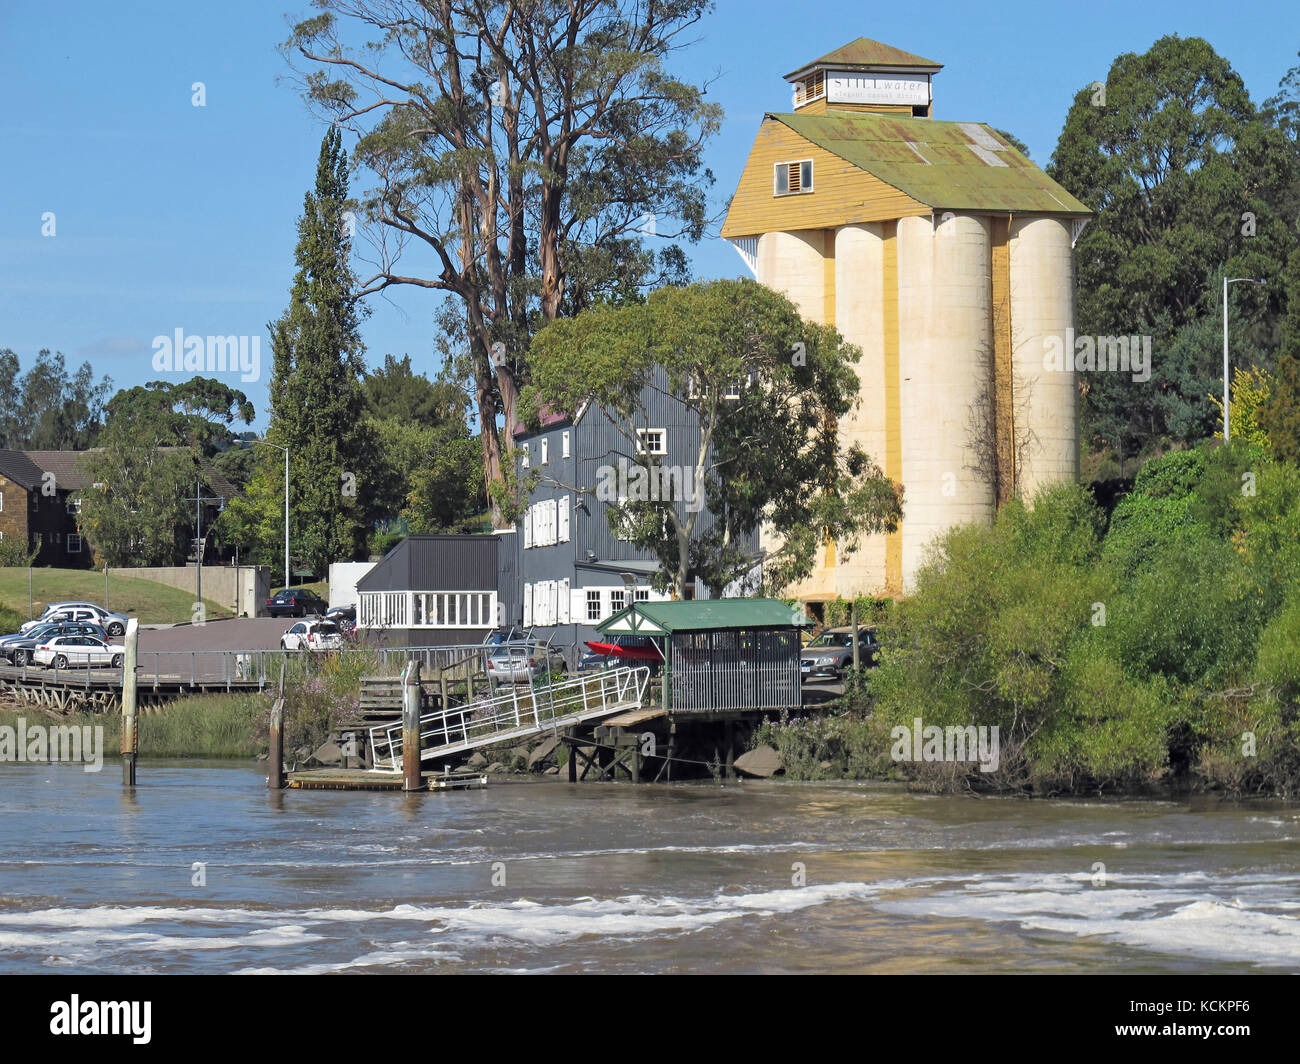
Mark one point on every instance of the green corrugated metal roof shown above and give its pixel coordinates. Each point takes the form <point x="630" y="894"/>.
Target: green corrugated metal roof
<point x="866" y="52"/>
<point x="936" y="162"/>
<point x="658" y="618"/>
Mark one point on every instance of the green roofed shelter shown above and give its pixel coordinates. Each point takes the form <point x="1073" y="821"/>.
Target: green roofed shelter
<point x="721" y="655"/>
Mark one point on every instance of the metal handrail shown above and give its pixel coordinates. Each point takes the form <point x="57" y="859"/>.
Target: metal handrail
<point x="492" y="719"/>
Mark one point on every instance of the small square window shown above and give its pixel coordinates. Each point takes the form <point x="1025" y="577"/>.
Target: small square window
<point x="593" y="605"/>
<point x="652" y="441"/>
<point x="74" y="505"/>
<point x="74" y="543"/>
<point x="793" y="178"/>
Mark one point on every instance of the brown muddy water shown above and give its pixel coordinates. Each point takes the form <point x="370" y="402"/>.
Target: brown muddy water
<point x="201" y="870"/>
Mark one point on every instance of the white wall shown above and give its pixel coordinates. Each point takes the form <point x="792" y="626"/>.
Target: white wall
<point x="343" y="581"/>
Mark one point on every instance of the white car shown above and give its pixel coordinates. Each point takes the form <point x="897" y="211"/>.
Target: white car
<point x="68" y="650"/>
<point x="313" y="635"/>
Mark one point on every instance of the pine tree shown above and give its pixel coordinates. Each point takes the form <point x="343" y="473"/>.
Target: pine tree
<point x="317" y="402"/>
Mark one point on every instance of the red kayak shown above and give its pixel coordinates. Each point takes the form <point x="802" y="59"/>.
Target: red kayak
<point x="633" y="653"/>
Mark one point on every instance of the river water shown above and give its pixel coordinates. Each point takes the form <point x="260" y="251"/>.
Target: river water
<point x="548" y="877"/>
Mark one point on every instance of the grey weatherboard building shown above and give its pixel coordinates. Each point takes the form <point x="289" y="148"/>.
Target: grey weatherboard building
<point x="573" y="571"/>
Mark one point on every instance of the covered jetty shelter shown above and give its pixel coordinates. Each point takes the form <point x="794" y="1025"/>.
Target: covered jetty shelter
<point x="722" y="657"/>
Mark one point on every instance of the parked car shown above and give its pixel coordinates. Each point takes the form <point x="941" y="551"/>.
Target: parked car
<point x="831" y="653"/>
<point x="524" y="662"/>
<point x="61" y="651"/>
<point x="296" y="602"/>
<point x="17" y="649"/>
<point x="312" y="635"/>
<point x="346" y="618"/>
<point x="113" y="623"/>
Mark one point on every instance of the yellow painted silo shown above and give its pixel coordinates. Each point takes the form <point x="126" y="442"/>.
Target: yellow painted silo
<point x="945" y="255"/>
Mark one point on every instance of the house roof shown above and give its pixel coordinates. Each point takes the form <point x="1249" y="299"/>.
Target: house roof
<point x="665" y="618"/>
<point x="70" y="473"/>
<point x="18" y="467"/>
<point x="864" y="52"/>
<point x="946" y="165"/>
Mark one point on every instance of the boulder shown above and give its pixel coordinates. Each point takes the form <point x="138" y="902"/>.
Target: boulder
<point x="554" y="770"/>
<point x="476" y="760"/>
<point x="762" y="761"/>
<point x="543" y="750"/>
<point x="328" y="753"/>
<point x="496" y="768"/>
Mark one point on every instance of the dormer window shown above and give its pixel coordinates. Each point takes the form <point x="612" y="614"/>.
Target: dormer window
<point x="813" y="87"/>
<point x="793" y="178"/>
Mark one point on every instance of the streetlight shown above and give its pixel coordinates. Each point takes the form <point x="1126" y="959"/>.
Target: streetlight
<point x="1227" y="281"/>
<point x="286" y="502"/>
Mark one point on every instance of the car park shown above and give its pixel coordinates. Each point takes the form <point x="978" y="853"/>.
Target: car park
<point x="313" y="635"/>
<point x="830" y="655"/>
<point x="71" y="651"/>
<point x="18" y="649"/>
<point x="296" y="602"/>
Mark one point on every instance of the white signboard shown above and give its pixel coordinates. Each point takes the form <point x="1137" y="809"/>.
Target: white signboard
<point x="842" y="87"/>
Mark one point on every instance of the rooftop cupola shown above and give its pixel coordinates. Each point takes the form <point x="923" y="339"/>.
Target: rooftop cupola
<point x="865" y="75"/>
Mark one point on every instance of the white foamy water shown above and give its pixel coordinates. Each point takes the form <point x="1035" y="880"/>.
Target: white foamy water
<point x="629" y="879"/>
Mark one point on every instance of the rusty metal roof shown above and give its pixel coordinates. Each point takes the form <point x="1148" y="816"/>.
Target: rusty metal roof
<point x="947" y="165"/>
<point x="864" y="52"/>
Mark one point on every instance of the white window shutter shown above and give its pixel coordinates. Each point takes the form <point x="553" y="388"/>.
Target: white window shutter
<point x="564" y="519"/>
<point x="578" y="604"/>
<point x="565" y="600"/>
<point x="528" y="605"/>
<point x="552" y="523"/>
<point x="528" y="528"/>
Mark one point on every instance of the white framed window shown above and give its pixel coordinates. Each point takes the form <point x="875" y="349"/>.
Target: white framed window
<point x="74" y="505"/>
<point x="74" y="543"/>
<point x="593" y="604"/>
<point x="526" y="457"/>
<point x="545" y="457"/>
<point x="564" y="444"/>
<point x="652" y="441"/>
<point x="617" y="599"/>
<point x="792" y="178"/>
<point x="642" y="594"/>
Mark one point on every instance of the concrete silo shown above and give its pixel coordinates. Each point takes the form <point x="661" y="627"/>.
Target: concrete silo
<point x="945" y="255"/>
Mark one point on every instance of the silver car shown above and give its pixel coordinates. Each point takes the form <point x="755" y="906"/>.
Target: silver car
<point x="523" y="663"/>
<point x="113" y="623"/>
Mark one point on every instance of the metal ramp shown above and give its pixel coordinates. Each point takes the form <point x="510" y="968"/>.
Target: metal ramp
<point x="516" y="714"/>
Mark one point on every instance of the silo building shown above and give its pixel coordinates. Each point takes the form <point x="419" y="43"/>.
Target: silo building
<point x="946" y="256"/>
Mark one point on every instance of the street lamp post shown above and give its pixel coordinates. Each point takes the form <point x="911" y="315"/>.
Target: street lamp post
<point x="1227" y="281"/>
<point x="286" y="502"/>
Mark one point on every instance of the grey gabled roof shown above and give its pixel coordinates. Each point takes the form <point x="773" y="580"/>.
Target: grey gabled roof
<point x="20" y="469"/>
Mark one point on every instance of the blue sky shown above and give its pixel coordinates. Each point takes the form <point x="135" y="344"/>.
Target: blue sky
<point x="173" y="216"/>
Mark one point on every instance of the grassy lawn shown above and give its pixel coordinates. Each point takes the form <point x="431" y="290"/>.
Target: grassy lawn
<point x="151" y="602"/>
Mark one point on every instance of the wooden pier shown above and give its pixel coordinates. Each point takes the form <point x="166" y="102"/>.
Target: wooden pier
<point x="357" y="779"/>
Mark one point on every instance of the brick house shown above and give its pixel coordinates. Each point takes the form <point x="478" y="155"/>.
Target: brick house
<point x="39" y="504"/>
